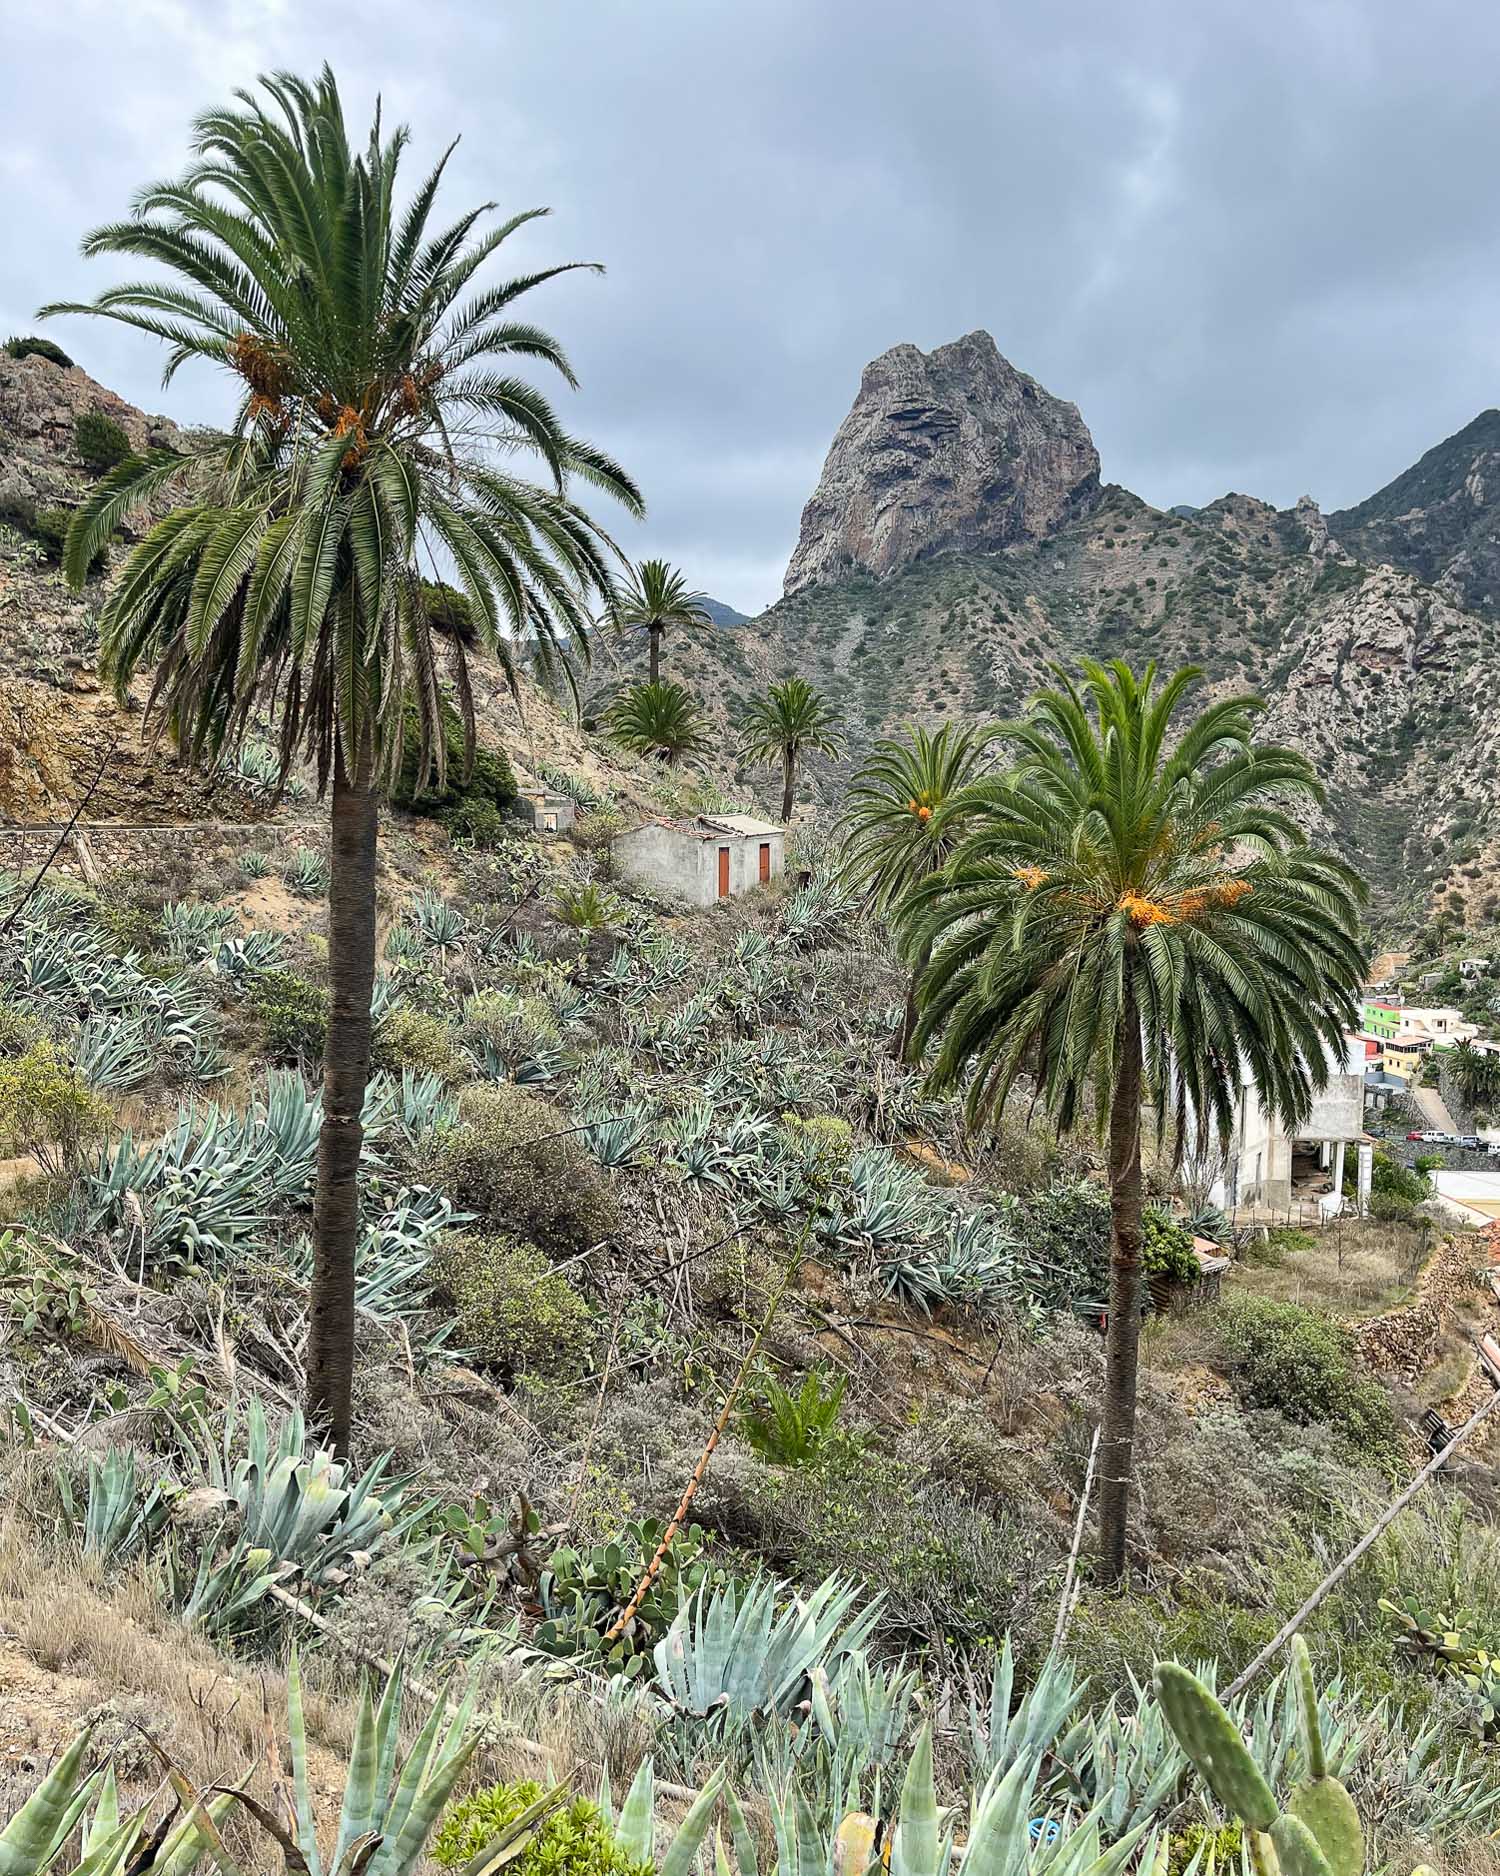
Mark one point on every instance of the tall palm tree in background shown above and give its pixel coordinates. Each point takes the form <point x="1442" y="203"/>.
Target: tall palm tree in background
<point x="789" y="722"/>
<point x="903" y="825"/>
<point x="370" y="438"/>
<point x="1126" y="922"/>
<point x="654" y="598"/>
<point x="658" y="720"/>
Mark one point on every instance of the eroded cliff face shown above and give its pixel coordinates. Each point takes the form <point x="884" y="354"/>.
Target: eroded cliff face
<point x="946" y="450"/>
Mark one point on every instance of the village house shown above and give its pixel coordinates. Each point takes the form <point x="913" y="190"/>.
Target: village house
<point x="548" y="811"/>
<point x="1404" y="1033"/>
<point x="1265" y="1163"/>
<point x="703" y="860"/>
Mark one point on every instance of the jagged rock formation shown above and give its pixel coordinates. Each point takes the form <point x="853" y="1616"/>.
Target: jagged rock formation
<point x="1440" y="519"/>
<point x="949" y="450"/>
<point x="1368" y="632"/>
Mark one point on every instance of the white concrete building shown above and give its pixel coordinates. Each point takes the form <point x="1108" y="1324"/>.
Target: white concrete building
<point x="701" y="861"/>
<point x="1260" y="1165"/>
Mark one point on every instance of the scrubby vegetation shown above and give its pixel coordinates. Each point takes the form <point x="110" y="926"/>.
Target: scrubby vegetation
<point x="721" y="1333"/>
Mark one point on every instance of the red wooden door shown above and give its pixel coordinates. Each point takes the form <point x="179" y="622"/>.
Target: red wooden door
<point x="765" y="861"/>
<point x="723" y="872"/>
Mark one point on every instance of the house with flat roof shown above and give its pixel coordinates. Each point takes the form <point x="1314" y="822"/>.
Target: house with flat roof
<point x="1405" y="1033"/>
<point x="702" y="860"/>
<point x="1264" y="1160"/>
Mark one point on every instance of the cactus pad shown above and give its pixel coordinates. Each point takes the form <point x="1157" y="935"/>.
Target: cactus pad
<point x="1297" y="1849"/>
<point x="1212" y="1741"/>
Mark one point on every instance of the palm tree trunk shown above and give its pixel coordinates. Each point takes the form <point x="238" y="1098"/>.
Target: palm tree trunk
<point x="653" y="632"/>
<point x="1122" y="1346"/>
<point x="904" y="1034"/>
<point x="346" y="1069"/>
<point x="788" y="784"/>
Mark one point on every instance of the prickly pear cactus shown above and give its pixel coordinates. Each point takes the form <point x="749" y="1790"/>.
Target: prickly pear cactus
<point x="1297" y="1848"/>
<point x="1320" y="1802"/>
<point x="1212" y="1741"/>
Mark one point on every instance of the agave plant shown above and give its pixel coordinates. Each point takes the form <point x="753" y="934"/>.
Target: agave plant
<point x="35" y="1840"/>
<point x="297" y="1501"/>
<point x="738" y="1651"/>
<point x="192" y="929"/>
<point x="617" y="1140"/>
<point x="306" y="873"/>
<point x="254" y="864"/>
<point x="437" y="924"/>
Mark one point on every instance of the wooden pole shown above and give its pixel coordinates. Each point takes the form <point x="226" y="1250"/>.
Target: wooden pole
<point x="1065" y="1607"/>
<point x="1340" y="1570"/>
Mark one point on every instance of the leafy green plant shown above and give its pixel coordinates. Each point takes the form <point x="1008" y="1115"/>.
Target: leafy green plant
<point x="30" y="346"/>
<point x="100" y="441"/>
<point x="1302" y="1363"/>
<point x="1167" y="1247"/>
<point x="291" y="1014"/>
<point x="47" y="1109"/>
<point x="573" y="1840"/>
<point x="583" y="1591"/>
<point x="514" y="1311"/>
<point x="794" y="1429"/>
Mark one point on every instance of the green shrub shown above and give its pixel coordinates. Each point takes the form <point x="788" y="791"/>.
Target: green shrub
<point x="1301" y="1363"/>
<point x="48" y="1110"/>
<point x="575" y="1841"/>
<point x="292" y="1015"/>
<point x="19" y="1030"/>
<point x="100" y="441"/>
<point x="513" y="1160"/>
<point x="515" y="1312"/>
<point x="408" y="1038"/>
<point x="1280" y="1242"/>
<point x="1223" y="1843"/>
<point x="1391" y="1208"/>
<point x="49" y="527"/>
<point x="489" y="781"/>
<point x="825" y="1143"/>
<point x="32" y="347"/>
<point x="1167" y="1247"/>
<point x="474" y="819"/>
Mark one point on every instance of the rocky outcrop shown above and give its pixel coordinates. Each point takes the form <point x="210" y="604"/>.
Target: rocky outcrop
<point x="1440" y="519"/>
<point x="948" y="450"/>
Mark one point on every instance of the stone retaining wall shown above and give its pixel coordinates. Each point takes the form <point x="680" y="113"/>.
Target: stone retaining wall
<point x="94" y="850"/>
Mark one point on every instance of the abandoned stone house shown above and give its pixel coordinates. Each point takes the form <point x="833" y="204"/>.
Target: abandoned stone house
<point x="703" y="860"/>
<point x="546" y="810"/>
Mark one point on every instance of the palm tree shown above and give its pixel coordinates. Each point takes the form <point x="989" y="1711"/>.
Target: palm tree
<point x="657" y="720"/>
<point x="1127" y="922"/>
<point x="370" y="436"/>
<point x="654" y="597"/>
<point x="790" y="721"/>
<point x="902" y="825"/>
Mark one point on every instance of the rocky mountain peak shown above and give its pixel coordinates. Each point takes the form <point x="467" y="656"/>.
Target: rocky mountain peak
<point x="943" y="450"/>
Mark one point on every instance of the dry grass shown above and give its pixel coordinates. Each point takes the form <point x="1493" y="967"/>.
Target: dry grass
<point x="1357" y="1268"/>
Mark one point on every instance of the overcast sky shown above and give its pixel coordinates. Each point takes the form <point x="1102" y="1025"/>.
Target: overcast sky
<point x="1254" y="240"/>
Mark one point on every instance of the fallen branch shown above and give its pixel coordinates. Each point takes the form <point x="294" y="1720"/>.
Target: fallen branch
<point x="649" y="1575"/>
<point x="1340" y="1570"/>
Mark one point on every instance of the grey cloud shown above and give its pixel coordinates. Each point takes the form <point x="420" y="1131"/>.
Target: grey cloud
<point x="1254" y="244"/>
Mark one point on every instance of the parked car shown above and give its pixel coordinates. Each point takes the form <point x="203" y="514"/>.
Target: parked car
<point x="1417" y="1135"/>
<point x="1493" y="1147"/>
<point x="1470" y="1140"/>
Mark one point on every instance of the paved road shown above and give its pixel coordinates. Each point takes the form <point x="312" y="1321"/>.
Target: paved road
<point x="1434" y="1110"/>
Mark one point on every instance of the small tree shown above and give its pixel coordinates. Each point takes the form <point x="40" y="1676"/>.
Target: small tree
<point x="790" y="721"/>
<point x="1129" y="924"/>
<point x="658" y="720"/>
<point x="903" y="824"/>
<point x="100" y="441"/>
<point x="654" y="598"/>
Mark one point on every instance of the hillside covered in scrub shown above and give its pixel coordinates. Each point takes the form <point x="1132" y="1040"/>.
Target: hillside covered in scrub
<point x="611" y="1149"/>
<point x="514" y="1352"/>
